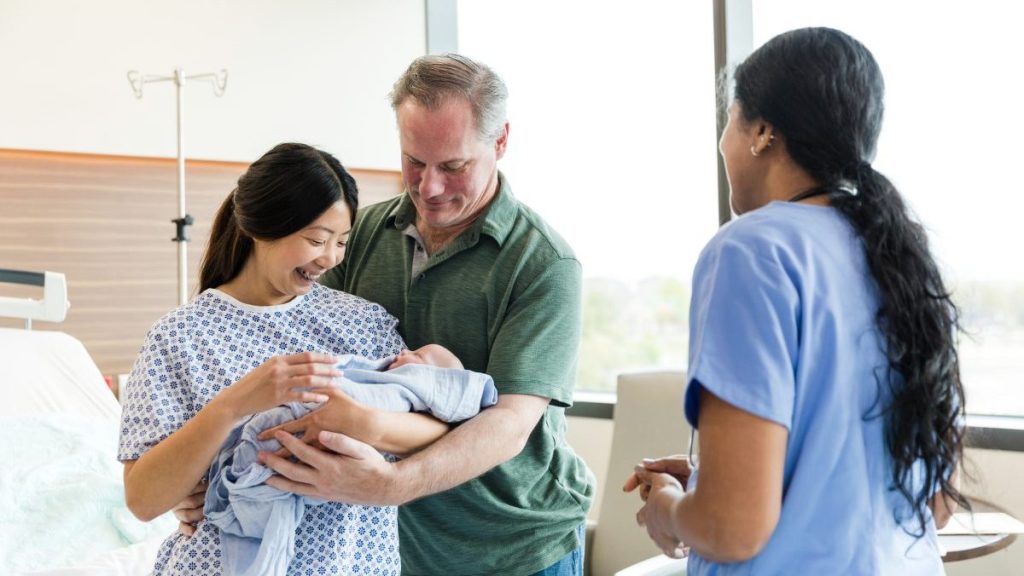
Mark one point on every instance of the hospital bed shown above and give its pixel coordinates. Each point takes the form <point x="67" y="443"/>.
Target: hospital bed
<point x="62" y="509"/>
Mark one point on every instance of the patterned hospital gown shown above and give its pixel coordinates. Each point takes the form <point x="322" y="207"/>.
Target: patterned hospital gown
<point x="197" y="350"/>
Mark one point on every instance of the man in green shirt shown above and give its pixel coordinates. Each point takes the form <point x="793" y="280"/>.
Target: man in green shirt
<point x="461" y="263"/>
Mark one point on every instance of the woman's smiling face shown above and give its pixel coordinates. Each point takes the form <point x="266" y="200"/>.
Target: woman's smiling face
<point x="289" y="266"/>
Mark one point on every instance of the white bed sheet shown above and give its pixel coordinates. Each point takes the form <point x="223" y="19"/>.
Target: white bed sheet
<point x="134" y="560"/>
<point x="46" y="373"/>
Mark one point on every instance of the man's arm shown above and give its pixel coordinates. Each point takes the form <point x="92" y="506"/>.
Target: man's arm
<point x="493" y="437"/>
<point x="400" y="433"/>
<point x="540" y="333"/>
<point x="357" y="475"/>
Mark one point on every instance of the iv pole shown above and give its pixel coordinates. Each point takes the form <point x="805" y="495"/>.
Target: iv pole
<point x="219" y="81"/>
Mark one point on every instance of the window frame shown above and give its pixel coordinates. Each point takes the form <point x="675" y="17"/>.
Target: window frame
<point x="733" y="37"/>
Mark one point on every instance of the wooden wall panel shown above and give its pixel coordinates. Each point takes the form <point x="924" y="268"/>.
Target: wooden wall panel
<point x="105" y="222"/>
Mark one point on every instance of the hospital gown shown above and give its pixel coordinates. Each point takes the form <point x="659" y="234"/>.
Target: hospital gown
<point x="257" y="521"/>
<point x="197" y="350"/>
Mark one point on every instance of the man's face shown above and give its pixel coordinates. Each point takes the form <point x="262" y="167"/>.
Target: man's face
<point x="450" y="173"/>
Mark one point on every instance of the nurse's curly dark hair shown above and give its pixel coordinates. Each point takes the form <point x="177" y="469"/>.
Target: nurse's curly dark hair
<point x="281" y="193"/>
<point x="822" y="91"/>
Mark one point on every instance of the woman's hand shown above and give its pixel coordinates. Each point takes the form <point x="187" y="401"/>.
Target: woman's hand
<point x="280" y="380"/>
<point x="340" y="414"/>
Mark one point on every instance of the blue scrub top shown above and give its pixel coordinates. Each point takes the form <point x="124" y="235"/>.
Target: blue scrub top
<point x="782" y="325"/>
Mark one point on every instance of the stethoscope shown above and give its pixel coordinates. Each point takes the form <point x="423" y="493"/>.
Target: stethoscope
<point x="821" y="191"/>
<point x="690" y="451"/>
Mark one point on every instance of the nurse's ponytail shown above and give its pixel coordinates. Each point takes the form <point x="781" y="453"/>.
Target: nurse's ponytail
<point x="920" y="323"/>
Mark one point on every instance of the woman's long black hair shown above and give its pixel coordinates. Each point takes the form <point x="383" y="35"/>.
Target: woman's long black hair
<point x="281" y="193"/>
<point x="822" y="91"/>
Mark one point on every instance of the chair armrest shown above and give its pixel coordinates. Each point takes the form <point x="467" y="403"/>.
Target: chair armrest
<point x="656" y="566"/>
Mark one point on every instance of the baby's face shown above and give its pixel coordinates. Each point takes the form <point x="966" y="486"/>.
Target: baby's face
<point x="431" y="354"/>
<point x="407" y="357"/>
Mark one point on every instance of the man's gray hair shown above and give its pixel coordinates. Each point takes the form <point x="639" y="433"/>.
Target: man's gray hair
<point x="431" y="80"/>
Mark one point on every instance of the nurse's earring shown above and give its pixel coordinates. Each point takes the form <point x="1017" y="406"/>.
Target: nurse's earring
<point x="755" y="152"/>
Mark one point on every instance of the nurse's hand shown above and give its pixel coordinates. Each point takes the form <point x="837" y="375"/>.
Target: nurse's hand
<point x="678" y="466"/>
<point x="658" y="513"/>
<point x="339" y="414"/>
<point x="190" y="510"/>
<point x="347" y="471"/>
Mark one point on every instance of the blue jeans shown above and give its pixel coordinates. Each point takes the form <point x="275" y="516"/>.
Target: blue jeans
<point x="572" y="563"/>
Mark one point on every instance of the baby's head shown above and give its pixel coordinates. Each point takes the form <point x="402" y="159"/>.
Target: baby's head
<point x="431" y="354"/>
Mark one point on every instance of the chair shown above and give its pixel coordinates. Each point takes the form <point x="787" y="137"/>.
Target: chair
<point x="656" y="566"/>
<point x="649" y="422"/>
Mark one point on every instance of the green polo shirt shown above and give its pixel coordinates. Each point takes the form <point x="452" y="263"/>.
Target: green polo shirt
<point x="504" y="296"/>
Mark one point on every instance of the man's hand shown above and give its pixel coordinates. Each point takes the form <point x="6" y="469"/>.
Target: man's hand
<point x="190" y="510"/>
<point x="339" y="414"/>
<point x="347" y="471"/>
<point x="352" y="471"/>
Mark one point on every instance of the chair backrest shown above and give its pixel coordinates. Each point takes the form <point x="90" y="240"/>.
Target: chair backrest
<point x="649" y="422"/>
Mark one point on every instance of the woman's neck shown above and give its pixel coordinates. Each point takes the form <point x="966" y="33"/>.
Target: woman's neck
<point x="249" y="288"/>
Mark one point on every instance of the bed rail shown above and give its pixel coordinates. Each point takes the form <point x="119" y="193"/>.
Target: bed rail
<point x="52" y="308"/>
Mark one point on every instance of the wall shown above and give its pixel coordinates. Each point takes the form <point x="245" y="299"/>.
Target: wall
<point x="313" y="71"/>
<point x="104" y="221"/>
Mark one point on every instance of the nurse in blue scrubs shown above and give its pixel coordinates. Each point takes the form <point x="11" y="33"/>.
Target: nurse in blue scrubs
<point x="823" y="374"/>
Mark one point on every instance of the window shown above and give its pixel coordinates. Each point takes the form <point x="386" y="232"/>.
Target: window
<point x="950" y="143"/>
<point x="612" y="112"/>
